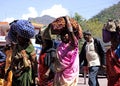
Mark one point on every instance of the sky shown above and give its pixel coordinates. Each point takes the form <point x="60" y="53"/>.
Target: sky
<point x="23" y="9"/>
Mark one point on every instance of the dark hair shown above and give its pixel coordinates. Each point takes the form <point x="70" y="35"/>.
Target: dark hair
<point x="13" y="22"/>
<point x="114" y="35"/>
<point x="64" y="31"/>
<point x="87" y="32"/>
<point x="49" y="43"/>
<point x="7" y="47"/>
<point x="38" y="38"/>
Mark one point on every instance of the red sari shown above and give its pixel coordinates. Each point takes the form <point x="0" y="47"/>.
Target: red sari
<point x="113" y="68"/>
<point x="41" y="73"/>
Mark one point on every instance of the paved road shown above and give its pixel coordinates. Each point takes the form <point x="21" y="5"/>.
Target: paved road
<point x="102" y="81"/>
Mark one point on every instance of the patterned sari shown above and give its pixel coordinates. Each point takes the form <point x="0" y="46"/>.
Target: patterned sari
<point x="67" y="65"/>
<point x="17" y="72"/>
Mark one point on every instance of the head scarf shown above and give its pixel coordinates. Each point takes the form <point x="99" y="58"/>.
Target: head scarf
<point x="22" y="28"/>
<point x="110" y="26"/>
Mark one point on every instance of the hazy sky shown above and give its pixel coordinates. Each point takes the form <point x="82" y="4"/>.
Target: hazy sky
<point x="23" y="9"/>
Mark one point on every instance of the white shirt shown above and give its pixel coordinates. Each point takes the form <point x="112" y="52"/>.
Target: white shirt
<point x="91" y="55"/>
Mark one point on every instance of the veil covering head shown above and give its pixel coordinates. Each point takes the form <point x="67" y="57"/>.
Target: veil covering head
<point x="22" y="28"/>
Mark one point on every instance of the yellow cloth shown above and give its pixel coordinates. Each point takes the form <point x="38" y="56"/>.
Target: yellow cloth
<point x="9" y="79"/>
<point x="8" y="61"/>
<point x="1" y="82"/>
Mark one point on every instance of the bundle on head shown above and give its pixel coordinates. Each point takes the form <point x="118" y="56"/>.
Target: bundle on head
<point x="59" y="25"/>
<point x="110" y="25"/>
<point x="117" y="23"/>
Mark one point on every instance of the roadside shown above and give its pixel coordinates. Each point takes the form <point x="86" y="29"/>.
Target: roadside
<point x="84" y="81"/>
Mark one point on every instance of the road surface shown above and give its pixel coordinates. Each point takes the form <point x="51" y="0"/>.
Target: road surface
<point x="102" y="81"/>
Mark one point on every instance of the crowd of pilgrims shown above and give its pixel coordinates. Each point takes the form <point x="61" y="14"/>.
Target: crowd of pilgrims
<point x="60" y="60"/>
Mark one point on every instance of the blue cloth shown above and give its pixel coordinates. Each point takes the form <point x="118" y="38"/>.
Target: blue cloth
<point x="93" y="81"/>
<point x="56" y="43"/>
<point x="2" y="56"/>
<point x="117" y="51"/>
<point x="21" y="27"/>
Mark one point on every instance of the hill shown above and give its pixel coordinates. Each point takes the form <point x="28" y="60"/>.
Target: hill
<point x="112" y="12"/>
<point x="45" y="20"/>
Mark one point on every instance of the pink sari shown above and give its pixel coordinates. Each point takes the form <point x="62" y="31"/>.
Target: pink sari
<point x="67" y="65"/>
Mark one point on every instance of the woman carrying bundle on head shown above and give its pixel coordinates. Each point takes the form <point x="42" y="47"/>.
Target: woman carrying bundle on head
<point x="46" y="58"/>
<point x="23" y="60"/>
<point x="67" y="61"/>
<point x="113" y="54"/>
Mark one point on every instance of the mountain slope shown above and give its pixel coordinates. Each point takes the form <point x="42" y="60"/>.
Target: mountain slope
<point x="42" y="20"/>
<point x="112" y="12"/>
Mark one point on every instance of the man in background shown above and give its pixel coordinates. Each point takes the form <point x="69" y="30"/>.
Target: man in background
<point x="93" y="56"/>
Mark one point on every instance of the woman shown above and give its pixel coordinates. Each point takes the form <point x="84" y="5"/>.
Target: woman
<point x="23" y="62"/>
<point x="67" y="62"/>
<point x="46" y="70"/>
<point x="113" y="61"/>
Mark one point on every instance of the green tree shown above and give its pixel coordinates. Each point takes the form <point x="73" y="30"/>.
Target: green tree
<point x="82" y="21"/>
<point x="95" y="26"/>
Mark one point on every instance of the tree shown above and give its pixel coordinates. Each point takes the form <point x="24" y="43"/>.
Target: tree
<point x="80" y="20"/>
<point x="95" y="27"/>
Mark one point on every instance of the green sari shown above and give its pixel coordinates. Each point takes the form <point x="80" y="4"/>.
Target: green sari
<point x="22" y="76"/>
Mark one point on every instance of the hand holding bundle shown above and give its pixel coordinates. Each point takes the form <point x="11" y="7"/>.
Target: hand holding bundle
<point x="69" y="24"/>
<point x="59" y="25"/>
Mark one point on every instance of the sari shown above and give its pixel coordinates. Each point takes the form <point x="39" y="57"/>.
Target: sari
<point x="44" y="66"/>
<point x="18" y="74"/>
<point x="67" y="65"/>
<point x="113" y="68"/>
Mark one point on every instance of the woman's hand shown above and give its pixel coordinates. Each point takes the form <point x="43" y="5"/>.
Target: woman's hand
<point x="69" y="26"/>
<point x="71" y="33"/>
<point x="36" y="80"/>
<point x="23" y="53"/>
<point x="26" y="61"/>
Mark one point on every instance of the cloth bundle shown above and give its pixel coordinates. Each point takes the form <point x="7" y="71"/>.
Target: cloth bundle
<point x="21" y="27"/>
<point x="112" y="26"/>
<point x="59" y="25"/>
<point x="46" y="33"/>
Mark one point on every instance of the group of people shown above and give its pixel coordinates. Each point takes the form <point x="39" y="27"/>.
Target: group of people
<point x="94" y="55"/>
<point x="55" y="66"/>
<point x="58" y="65"/>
